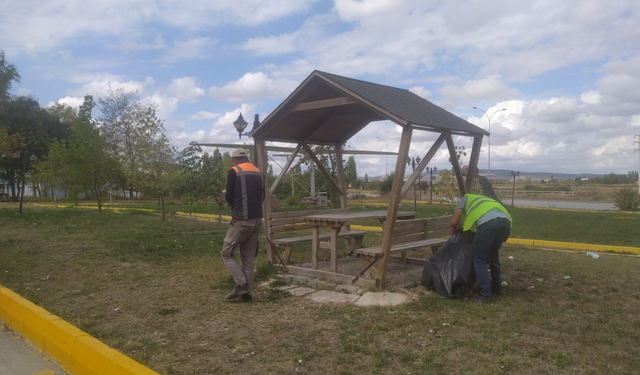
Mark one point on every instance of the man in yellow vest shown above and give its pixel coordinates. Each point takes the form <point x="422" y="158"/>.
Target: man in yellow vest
<point x="492" y="226"/>
<point x="245" y="193"/>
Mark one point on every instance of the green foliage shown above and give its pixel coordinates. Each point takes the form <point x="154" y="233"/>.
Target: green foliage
<point x="87" y="162"/>
<point x="448" y="189"/>
<point x="8" y="75"/>
<point x="201" y="177"/>
<point x="386" y="184"/>
<point x="350" y="172"/>
<point x="131" y="130"/>
<point x="627" y="199"/>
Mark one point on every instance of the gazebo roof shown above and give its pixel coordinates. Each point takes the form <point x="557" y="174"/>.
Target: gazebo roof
<point x="330" y="109"/>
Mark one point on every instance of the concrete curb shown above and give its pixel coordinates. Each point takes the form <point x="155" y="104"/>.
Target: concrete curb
<point x="76" y="351"/>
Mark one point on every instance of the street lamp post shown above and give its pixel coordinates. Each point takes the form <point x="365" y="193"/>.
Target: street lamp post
<point x="489" y="138"/>
<point x="412" y="162"/>
<point x="513" y="191"/>
<point x="386" y="148"/>
<point x="240" y="124"/>
<point x="431" y="170"/>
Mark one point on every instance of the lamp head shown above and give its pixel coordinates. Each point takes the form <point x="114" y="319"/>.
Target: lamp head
<point x="240" y="124"/>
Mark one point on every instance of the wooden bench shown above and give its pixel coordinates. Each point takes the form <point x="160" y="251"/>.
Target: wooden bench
<point x="293" y="221"/>
<point x="408" y="235"/>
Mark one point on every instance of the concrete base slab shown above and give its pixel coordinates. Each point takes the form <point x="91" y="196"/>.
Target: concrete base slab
<point x="328" y="296"/>
<point x="381" y="299"/>
<point x="301" y="291"/>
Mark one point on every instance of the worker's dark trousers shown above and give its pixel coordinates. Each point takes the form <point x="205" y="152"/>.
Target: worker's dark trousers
<point x="486" y="249"/>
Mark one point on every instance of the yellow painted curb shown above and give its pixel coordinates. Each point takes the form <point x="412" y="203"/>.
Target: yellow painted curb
<point x="75" y="350"/>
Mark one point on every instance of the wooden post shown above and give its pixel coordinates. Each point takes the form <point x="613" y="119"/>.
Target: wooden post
<point x="261" y="163"/>
<point x="423" y="163"/>
<point x="396" y="198"/>
<point x="341" y="178"/>
<point x="472" y="173"/>
<point x="456" y="165"/>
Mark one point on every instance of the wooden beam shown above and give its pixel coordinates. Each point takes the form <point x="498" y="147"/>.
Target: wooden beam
<point x="423" y="163"/>
<point x="472" y="172"/>
<point x="285" y="169"/>
<point x="261" y="163"/>
<point x="341" y="178"/>
<point x="456" y="165"/>
<point x="396" y="198"/>
<point x="322" y="169"/>
<point x="334" y="102"/>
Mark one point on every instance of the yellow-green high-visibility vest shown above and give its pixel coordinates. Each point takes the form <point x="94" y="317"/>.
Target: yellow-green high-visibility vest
<point x="478" y="205"/>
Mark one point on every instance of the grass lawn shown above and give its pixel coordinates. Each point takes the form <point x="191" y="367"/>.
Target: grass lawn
<point x="154" y="290"/>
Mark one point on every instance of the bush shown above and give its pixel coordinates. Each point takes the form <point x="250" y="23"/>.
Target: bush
<point x="386" y="185"/>
<point x="627" y="199"/>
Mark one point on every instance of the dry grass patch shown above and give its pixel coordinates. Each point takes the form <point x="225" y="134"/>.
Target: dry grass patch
<point x="154" y="290"/>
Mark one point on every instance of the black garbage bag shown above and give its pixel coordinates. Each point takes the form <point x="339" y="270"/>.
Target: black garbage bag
<point x="450" y="271"/>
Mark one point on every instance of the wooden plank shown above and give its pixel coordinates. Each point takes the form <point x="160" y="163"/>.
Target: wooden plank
<point x="339" y="277"/>
<point x="456" y="165"/>
<point x="304" y="213"/>
<point x="285" y="169"/>
<point x="322" y="169"/>
<point x="334" y="102"/>
<point x="423" y="163"/>
<point x="473" y="163"/>
<point x="341" y="178"/>
<point x="396" y="198"/>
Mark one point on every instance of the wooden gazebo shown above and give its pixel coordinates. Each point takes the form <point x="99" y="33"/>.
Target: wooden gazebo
<point x="327" y="109"/>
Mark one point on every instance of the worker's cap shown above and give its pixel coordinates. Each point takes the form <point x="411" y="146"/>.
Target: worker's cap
<point x="239" y="153"/>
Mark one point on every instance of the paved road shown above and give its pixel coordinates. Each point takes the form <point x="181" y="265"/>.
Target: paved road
<point x="17" y="357"/>
<point x="574" y="205"/>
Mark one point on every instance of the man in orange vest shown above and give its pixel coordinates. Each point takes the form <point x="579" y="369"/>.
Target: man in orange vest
<point x="492" y="226"/>
<point x="245" y="193"/>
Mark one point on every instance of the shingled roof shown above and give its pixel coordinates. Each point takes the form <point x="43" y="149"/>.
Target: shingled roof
<point x="330" y="109"/>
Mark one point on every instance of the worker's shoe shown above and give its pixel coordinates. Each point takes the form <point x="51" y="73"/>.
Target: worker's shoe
<point x="246" y="298"/>
<point x="497" y="292"/>
<point x="238" y="291"/>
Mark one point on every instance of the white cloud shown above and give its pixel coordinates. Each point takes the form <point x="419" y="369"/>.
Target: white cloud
<point x="421" y="91"/>
<point x="351" y="10"/>
<point x="72" y="101"/>
<point x="203" y="115"/>
<point x="251" y="85"/>
<point x="490" y="87"/>
<point x="98" y="85"/>
<point x="185" y="89"/>
<point x="35" y="26"/>
<point x="591" y="97"/>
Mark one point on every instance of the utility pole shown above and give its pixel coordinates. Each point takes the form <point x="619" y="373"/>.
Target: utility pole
<point x="638" y="151"/>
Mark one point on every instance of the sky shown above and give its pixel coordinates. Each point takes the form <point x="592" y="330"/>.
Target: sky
<point x="566" y="73"/>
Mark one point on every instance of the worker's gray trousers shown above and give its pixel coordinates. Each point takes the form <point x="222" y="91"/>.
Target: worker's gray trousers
<point x="243" y="235"/>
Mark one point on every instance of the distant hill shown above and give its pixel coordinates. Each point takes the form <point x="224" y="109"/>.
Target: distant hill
<point x="506" y="174"/>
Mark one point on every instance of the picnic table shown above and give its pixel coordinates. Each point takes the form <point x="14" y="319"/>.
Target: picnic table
<point x="336" y="221"/>
<point x="4" y="197"/>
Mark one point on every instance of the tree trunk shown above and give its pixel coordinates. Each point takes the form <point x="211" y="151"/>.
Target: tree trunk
<point x="97" y="193"/>
<point x="22" y="192"/>
<point x="162" y="200"/>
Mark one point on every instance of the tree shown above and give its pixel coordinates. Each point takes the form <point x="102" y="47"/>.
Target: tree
<point x="351" y="175"/>
<point x="64" y="112"/>
<point x="89" y="163"/>
<point x="160" y="168"/>
<point x="386" y="184"/>
<point x="130" y="129"/>
<point x="627" y="199"/>
<point x="36" y="129"/>
<point x="203" y="176"/>
<point x="8" y="75"/>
